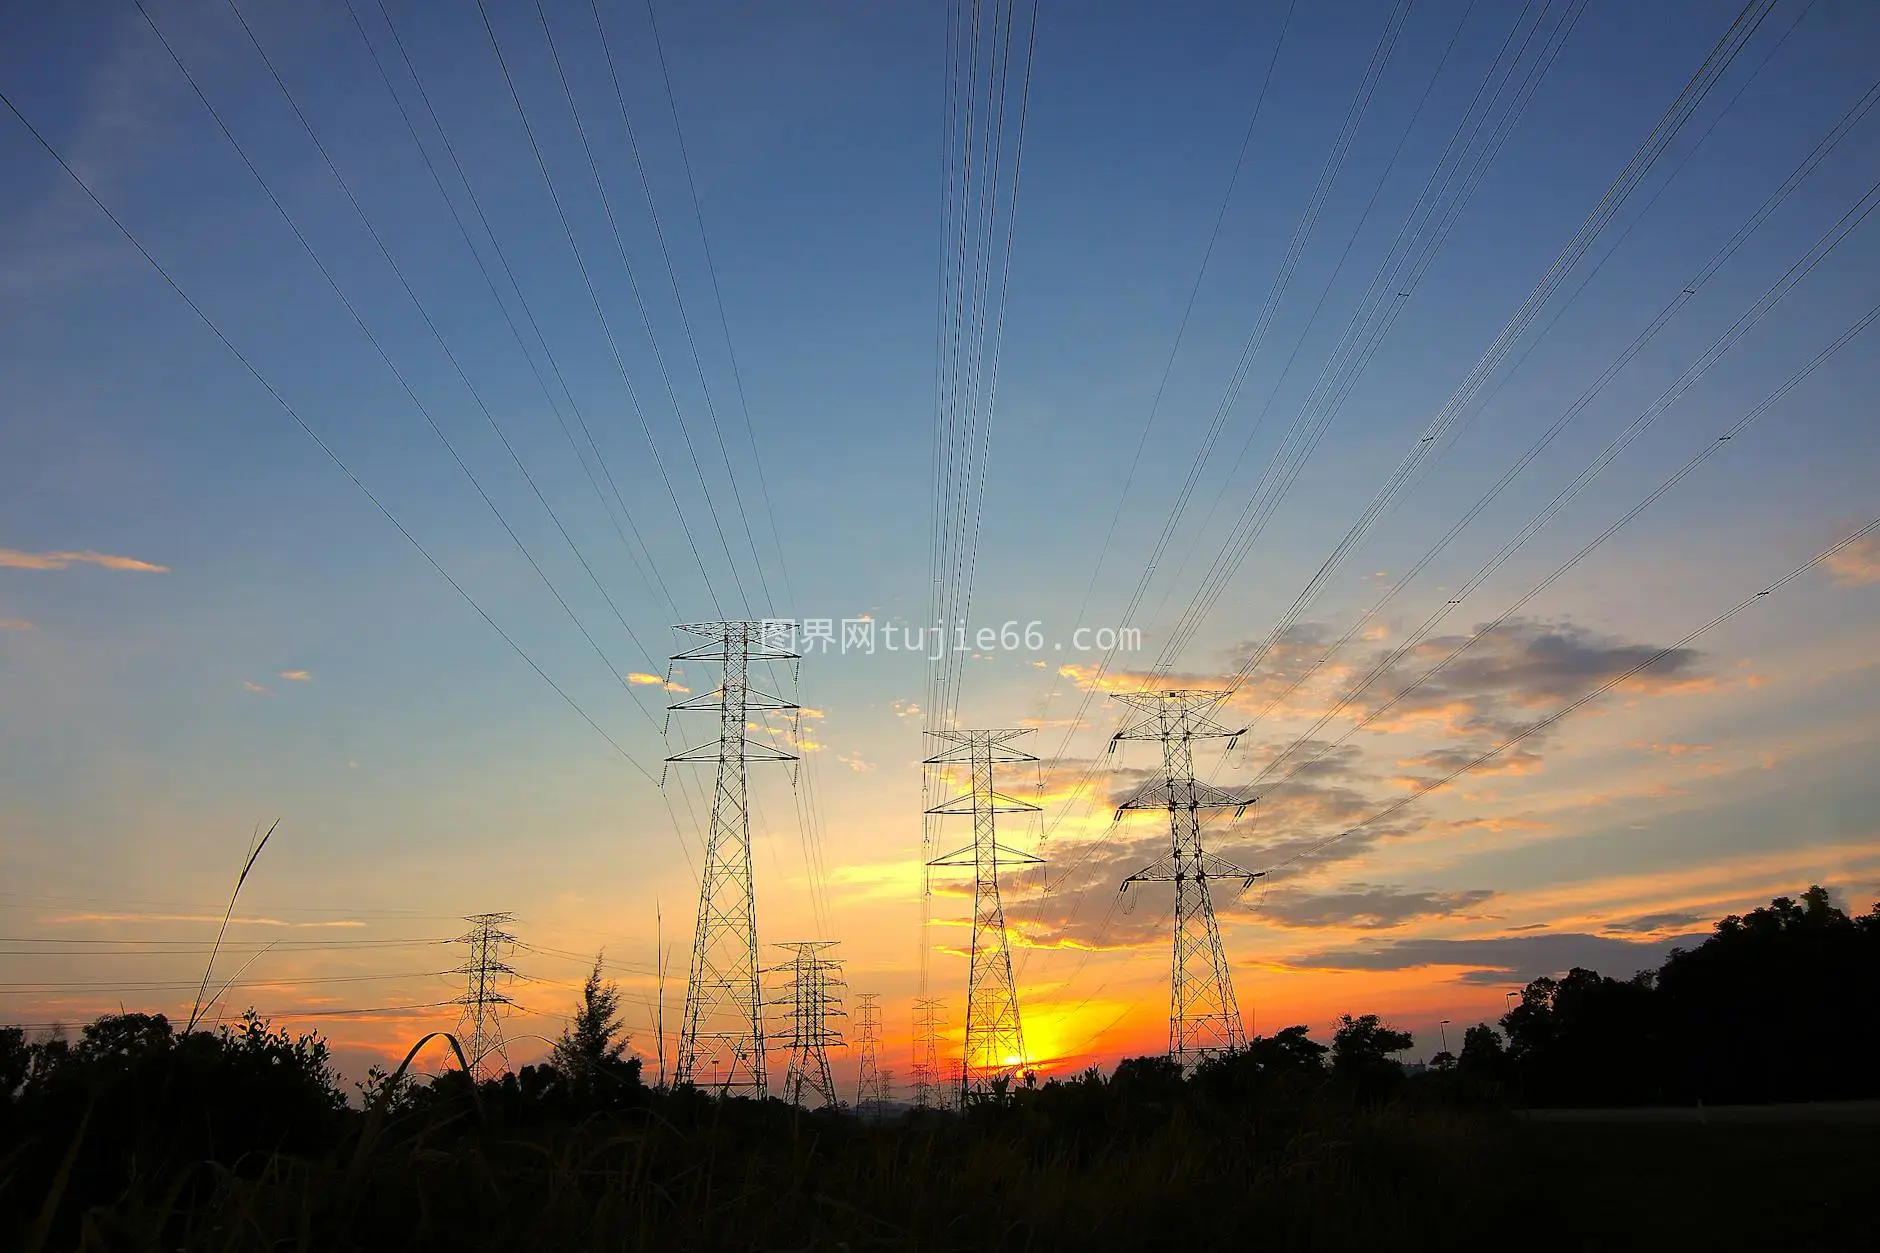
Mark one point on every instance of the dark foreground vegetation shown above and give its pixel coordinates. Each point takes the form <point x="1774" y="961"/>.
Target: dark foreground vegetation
<point x="136" y="1136"/>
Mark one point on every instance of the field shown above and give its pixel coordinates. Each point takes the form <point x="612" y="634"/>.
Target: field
<point x="691" y="1174"/>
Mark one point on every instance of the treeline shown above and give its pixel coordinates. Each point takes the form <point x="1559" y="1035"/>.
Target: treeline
<point x="137" y="1135"/>
<point x="1780" y="1004"/>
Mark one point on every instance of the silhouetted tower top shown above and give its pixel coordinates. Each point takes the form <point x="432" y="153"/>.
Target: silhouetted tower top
<point x="724" y="1024"/>
<point x="814" y="996"/>
<point x="479" y="1027"/>
<point x="995" y="1039"/>
<point x="1204" y="1017"/>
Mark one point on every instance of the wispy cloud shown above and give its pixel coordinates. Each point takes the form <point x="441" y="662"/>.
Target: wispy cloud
<point x="1857" y="564"/>
<point x="297" y="676"/>
<point x="250" y="921"/>
<point x="1504" y="960"/>
<point x="639" y="678"/>
<point x="15" y="559"/>
<point x="249" y="685"/>
<point x="15" y="624"/>
<point x="1365" y="906"/>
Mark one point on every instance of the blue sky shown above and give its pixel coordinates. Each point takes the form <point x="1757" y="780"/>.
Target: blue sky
<point x="420" y="766"/>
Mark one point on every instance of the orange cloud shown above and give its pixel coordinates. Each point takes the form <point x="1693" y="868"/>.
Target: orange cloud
<point x="88" y="919"/>
<point x="297" y="676"/>
<point x="14" y="559"/>
<point x="1678" y="750"/>
<point x="15" y="624"/>
<point x="1857" y="564"/>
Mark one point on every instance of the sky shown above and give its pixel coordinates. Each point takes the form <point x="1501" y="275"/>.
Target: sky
<point x="409" y="586"/>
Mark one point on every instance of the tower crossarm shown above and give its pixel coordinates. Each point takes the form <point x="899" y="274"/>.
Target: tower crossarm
<point x="1165" y="870"/>
<point x="752" y="751"/>
<point x="970" y="854"/>
<point x="1185" y="794"/>
<point x="992" y="802"/>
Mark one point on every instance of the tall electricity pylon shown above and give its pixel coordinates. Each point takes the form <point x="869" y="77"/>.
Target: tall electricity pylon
<point x="1203" y="1017"/>
<point x="929" y="1016"/>
<point x="995" y="1042"/>
<point x="480" y="1028"/>
<point x="869" y="1084"/>
<point x="814" y="996"/>
<point x="724" y="1013"/>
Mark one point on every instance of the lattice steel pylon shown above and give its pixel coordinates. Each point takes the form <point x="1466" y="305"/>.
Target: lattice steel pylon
<point x="995" y="1040"/>
<point x="724" y="1003"/>
<point x="928" y="1019"/>
<point x="480" y="1028"/>
<point x="814" y="996"/>
<point x="1203" y="1016"/>
<point x="870" y="1084"/>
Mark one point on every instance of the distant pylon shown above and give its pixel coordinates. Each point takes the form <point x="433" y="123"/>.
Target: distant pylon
<point x="995" y="1042"/>
<point x="1203" y="1016"/>
<point x="814" y="996"/>
<point x="480" y="1028"/>
<point x="869" y="1083"/>
<point x="929" y="1016"/>
<point x="724" y="1005"/>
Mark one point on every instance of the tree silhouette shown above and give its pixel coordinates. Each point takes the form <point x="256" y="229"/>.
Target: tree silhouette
<point x="1361" y="1052"/>
<point x="589" y="1055"/>
<point x="1289" y="1050"/>
<point x="1483" y="1057"/>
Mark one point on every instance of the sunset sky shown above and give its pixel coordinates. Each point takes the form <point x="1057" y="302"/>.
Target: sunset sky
<point x="206" y="625"/>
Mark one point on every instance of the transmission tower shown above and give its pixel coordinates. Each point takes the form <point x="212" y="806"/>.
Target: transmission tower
<point x="1203" y="1017"/>
<point x="929" y="1017"/>
<point x="480" y="1028"/>
<point x="814" y="996"/>
<point x="724" y="1015"/>
<point x="870" y="1084"/>
<point x="995" y="1043"/>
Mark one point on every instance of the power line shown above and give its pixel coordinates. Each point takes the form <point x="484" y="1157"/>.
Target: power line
<point x="325" y="448"/>
<point x="1181" y="328"/>
<point x="24" y="987"/>
<point x="456" y="364"/>
<point x="1649" y="152"/>
<point x="1710" y="449"/>
<point x="1644" y="337"/>
<point x="1411" y="253"/>
<point x="639" y="299"/>
<point x="1309" y="425"/>
<point x="600" y="313"/>
<point x="618" y="510"/>
<point x="718" y="299"/>
<point x="685" y="321"/>
<point x="1303" y="229"/>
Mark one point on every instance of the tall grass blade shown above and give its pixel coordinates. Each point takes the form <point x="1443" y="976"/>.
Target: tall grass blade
<point x="195" y="1012"/>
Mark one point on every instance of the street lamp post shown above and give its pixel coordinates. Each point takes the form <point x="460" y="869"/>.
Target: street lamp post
<point x="1443" y="1026"/>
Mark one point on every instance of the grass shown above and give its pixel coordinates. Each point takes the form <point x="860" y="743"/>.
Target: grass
<point x="1397" y="1177"/>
